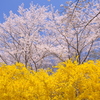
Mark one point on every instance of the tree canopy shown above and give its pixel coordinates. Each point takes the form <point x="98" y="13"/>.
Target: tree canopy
<point x="39" y="36"/>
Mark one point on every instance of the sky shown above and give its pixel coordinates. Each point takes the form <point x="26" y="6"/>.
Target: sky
<point x="12" y="5"/>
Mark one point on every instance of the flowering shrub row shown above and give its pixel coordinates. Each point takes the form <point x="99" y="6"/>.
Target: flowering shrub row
<point x="69" y="82"/>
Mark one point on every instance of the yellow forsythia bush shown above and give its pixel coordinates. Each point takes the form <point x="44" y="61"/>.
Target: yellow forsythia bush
<point x="69" y="82"/>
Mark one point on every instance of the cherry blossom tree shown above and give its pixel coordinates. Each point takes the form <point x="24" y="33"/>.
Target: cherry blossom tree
<point x="75" y="32"/>
<point x="40" y="36"/>
<point x="21" y="36"/>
